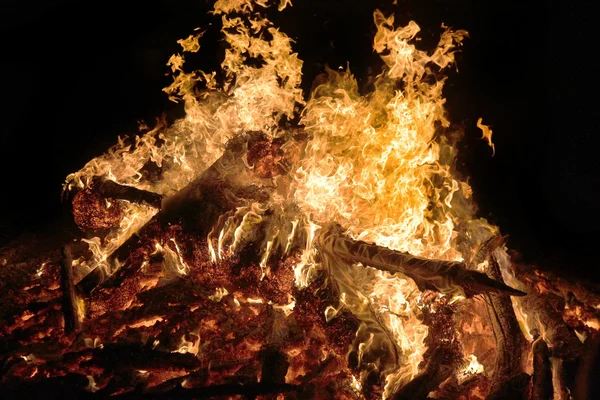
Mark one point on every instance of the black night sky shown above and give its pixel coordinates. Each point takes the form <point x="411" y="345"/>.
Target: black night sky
<point x="74" y="75"/>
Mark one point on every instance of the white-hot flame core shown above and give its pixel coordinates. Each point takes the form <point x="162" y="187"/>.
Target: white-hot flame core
<point x="474" y="366"/>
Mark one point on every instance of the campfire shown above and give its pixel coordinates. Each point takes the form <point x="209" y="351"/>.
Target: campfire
<point x="274" y="244"/>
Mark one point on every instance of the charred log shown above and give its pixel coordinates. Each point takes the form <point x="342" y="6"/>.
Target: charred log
<point x="274" y="366"/>
<point x="509" y="380"/>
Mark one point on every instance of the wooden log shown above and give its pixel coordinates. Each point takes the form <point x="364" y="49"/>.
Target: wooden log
<point x="443" y="276"/>
<point x="541" y="315"/>
<point x="509" y="381"/>
<point x="542" y="372"/>
<point x="221" y="188"/>
<point x="70" y="297"/>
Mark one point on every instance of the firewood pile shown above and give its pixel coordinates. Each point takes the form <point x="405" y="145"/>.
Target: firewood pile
<point x="272" y="245"/>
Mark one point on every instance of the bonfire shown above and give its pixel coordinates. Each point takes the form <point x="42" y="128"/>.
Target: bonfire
<point x="272" y="244"/>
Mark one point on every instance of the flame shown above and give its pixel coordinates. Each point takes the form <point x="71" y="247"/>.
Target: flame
<point x="486" y="134"/>
<point x="173" y="264"/>
<point x="186" y="346"/>
<point x="134" y="217"/>
<point x="372" y="160"/>
<point x="474" y="366"/>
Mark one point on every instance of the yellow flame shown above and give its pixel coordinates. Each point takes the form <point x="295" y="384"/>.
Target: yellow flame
<point x="372" y="159"/>
<point x="474" y="366"/>
<point x="134" y="217"/>
<point x="486" y="134"/>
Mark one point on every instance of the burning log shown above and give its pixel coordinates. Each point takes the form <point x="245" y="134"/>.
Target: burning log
<point x="542" y="315"/>
<point x="92" y="213"/>
<point x="443" y="276"/>
<point x="542" y="372"/>
<point x="554" y="305"/>
<point x="509" y="380"/>
<point x="94" y="208"/>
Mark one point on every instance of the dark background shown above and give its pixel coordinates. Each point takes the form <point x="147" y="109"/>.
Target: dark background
<point x="75" y="76"/>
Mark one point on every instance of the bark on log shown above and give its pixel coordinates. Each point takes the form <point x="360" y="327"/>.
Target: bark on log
<point x="509" y="380"/>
